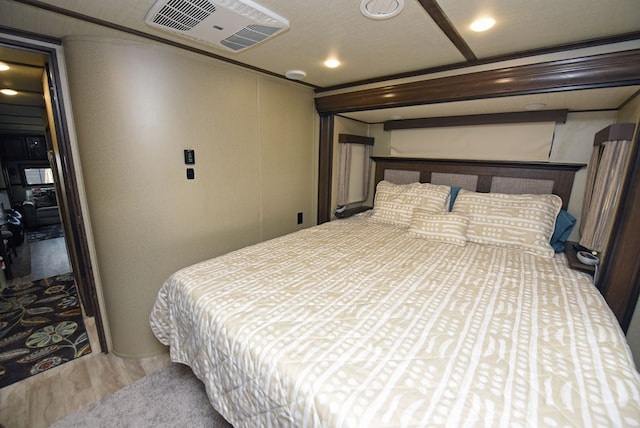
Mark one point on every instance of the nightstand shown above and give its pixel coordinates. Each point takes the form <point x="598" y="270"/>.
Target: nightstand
<point x="352" y="211"/>
<point x="571" y="251"/>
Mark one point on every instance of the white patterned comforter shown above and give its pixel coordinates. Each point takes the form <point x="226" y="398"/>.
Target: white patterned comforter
<point x="355" y="324"/>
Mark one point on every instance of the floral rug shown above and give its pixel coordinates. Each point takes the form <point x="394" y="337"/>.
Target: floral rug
<point x="41" y="327"/>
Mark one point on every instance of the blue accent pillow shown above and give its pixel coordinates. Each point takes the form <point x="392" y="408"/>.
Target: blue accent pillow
<point x="452" y="196"/>
<point x="564" y="225"/>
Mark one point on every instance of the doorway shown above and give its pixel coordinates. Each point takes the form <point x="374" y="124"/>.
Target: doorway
<point x="47" y="54"/>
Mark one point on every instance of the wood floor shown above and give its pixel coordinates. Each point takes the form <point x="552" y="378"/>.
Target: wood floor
<point x="45" y="398"/>
<point x="48" y="258"/>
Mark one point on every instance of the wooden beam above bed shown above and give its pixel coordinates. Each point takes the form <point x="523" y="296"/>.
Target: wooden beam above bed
<point x="588" y="72"/>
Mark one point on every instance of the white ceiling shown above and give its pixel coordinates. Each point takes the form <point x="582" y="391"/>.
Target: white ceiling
<point x="376" y="49"/>
<point x="23" y="112"/>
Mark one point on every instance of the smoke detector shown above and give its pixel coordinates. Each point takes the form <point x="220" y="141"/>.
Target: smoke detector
<point x="234" y="25"/>
<point x="381" y="9"/>
<point x="295" y="74"/>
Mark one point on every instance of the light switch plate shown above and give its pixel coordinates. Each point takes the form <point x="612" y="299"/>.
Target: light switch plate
<point x="189" y="156"/>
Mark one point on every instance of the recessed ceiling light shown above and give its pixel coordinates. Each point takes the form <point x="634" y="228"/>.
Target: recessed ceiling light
<point x="332" y="63"/>
<point x="10" y="92"/>
<point x="381" y="9"/>
<point x="3" y="66"/>
<point x="295" y="74"/>
<point x="482" y="24"/>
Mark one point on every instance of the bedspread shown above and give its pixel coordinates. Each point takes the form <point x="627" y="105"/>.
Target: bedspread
<point x="356" y="324"/>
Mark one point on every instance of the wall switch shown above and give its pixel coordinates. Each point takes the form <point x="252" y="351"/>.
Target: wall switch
<point x="189" y="157"/>
<point x="299" y="218"/>
<point x="191" y="174"/>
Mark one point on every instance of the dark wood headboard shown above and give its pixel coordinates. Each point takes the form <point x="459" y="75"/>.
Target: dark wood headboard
<point x="485" y="176"/>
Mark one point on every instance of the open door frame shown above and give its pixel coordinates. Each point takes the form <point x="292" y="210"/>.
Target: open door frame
<point x="61" y="160"/>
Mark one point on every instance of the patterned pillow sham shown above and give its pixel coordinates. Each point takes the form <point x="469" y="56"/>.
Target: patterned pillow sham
<point x="521" y="222"/>
<point x="394" y="203"/>
<point x="447" y="227"/>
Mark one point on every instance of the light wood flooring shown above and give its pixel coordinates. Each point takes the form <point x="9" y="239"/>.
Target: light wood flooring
<point x="48" y="258"/>
<point x="45" y="398"/>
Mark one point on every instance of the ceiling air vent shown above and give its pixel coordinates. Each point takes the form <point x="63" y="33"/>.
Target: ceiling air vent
<point x="234" y="25"/>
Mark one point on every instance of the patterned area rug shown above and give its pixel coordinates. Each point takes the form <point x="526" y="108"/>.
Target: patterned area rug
<point x="49" y="231"/>
<point x="41" y="327"/>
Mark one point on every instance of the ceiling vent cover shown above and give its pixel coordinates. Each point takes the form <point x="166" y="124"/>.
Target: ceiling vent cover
<point x="234" y="25"/>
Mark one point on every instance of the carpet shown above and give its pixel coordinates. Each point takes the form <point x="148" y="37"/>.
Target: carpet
<point x="41" y="327"/>
<point x="170" y="397"/>
<point x="42" y="233"/>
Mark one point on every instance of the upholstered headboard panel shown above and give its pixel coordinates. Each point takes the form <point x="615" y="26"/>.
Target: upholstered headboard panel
<point x="482" y="176"/>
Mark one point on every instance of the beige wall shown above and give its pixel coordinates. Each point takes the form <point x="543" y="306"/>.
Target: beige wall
<point x="381" y="147"/>
<point x="137" y="106"/>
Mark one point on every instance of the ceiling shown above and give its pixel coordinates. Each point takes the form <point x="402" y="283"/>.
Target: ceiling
<point x="427" y="39"/>
<point x="23" y="112"/>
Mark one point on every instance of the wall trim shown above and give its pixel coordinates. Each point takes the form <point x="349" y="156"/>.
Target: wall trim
<point x="558" y="116"/>
<point x="355" y="139"/>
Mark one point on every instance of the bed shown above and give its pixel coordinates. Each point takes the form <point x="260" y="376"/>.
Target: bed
<point x="425" y="311"/>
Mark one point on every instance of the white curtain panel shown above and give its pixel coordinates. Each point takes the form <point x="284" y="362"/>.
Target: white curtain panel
<point x="605" y="195"/>
<point x="354" y="171"/>
<point x="590" y="182"/>
<point x="344" y="172"/>
<point x="366" y="172"/>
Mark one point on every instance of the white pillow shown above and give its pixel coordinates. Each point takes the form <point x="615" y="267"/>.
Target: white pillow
<point x="447" y="227"/>
<point x="521" y="222"/>
<point x="394" y="203"/>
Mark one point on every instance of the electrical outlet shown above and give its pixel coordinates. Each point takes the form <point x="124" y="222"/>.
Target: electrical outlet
<point x="299" y="218"/>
